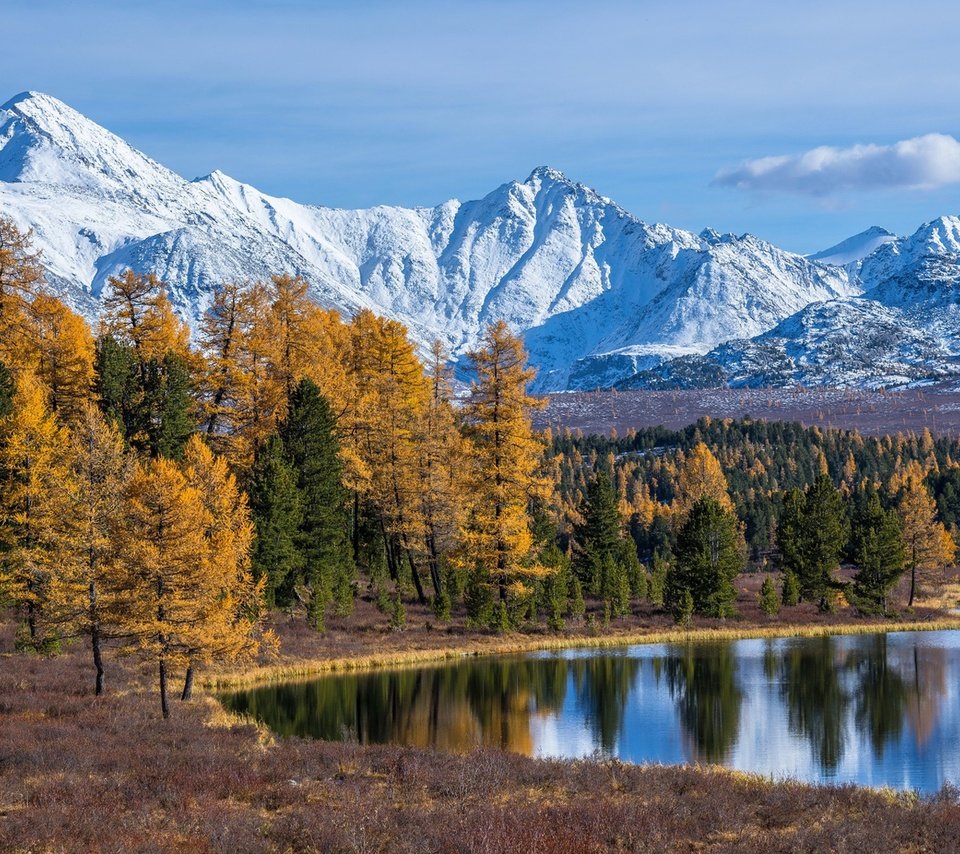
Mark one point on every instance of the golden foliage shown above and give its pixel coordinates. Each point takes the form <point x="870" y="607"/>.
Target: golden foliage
<point x="502" y="462"/>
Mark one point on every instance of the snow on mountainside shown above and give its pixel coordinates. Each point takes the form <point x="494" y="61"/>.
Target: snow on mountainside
<point x="904" y="330"/>
<point x="854" y="248"/>
<point x="598" y="294"/>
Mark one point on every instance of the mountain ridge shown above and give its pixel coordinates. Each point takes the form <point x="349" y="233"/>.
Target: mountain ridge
<point x="598" y="293"/>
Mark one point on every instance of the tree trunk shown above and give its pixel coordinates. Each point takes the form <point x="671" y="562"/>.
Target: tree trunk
<point x="355" y="538"/>
<point x="188" y="684"/>
<point x="434" y="565"/>
<point x="32" y="622"/>
<point x="913" y="583"/>
<point x="164" y="706"/>
<point x="97" y="656"/>
<point x="416" y="578"/>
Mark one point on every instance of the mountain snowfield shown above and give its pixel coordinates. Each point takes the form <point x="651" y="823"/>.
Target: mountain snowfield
<point x="600" y="296"/>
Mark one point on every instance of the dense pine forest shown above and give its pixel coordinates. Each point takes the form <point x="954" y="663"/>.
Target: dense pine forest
<point x="162" y="494"/>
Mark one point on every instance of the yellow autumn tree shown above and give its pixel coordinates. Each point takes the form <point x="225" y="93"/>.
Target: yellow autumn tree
<point x="137" y="312"/>
<point x="85" y="597"/>
<point x="229" y="628"/>
<point x="21" y="277"/>
<point x="501" y="472"/>
<point x="305" y="340"/>
<point x="400" y="395"/>
<point x="440" y="454"/>
<point x="700" y="476"/>
<point x="241" y="396"/>
<point x="930" y="547"/>
<point x="35" y="471"/>
<point x="163" y="551"/>
<point x="61" y="352"/>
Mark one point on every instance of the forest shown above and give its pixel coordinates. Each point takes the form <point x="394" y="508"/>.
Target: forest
<point x="163" y="494"/>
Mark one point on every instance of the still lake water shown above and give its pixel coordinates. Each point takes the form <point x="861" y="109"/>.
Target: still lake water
<point x="870" y="709"/>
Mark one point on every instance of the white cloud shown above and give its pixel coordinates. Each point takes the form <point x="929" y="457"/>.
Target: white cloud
<point x="922" y="163"/>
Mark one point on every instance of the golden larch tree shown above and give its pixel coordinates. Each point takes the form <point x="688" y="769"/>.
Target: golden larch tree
<point x="440" y="454"/>
<point x="137" y="312"/>
<point x="163" y="547"/>
<point x="930" y="547"/>
<point x="62" y="355"/>
<point x="700" y="476"/>
<point x="502" y="461"/>
<point x="34" y="497"/>
<point x="86" y="598"/>
<point x="229" y="630"/>
<point x="21" y="277"/>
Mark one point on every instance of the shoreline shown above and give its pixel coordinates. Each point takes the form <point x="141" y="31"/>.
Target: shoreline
<point x="306" y="669"/>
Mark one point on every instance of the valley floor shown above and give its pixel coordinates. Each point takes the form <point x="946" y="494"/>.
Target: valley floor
<point x="872" y="413"/>
<point x="84" y="773"/>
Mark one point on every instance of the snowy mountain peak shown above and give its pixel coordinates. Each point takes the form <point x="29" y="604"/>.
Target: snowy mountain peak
<point x="855" y="248"/>
<point x="44" y="141"/>
<point x="547" y="174"/>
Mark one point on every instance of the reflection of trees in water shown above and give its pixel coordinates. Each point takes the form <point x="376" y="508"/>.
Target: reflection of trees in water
<point x="881" y="693"/>
<point x="452" y="708"/>
<point x="827" y="687"/>
<point x="603" y="684"/>
<point x="815" y="697"/>
<point x="702" y="680"/>
<point x="925" y="673"/>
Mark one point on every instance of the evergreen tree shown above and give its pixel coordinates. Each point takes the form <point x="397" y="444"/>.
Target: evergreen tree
<point x="277" y="514"/>
<point x="708" y="559"/>
<point x="879" y="552"/>
<point x="598" y="538"/>
<point x="822" y="538"/>
<point x="633" y="569"/>
<point x="117" y="386"/>
<point x="658" y="579"/>
<point x="168" y="395"/>
<point x="790" y="533"/>
<point x="811" y="535"/>
<point x="312" y="449"/>
<point x="769" y="599"/>
<point x="555" y="587"/>
<point x="790" y="592"/>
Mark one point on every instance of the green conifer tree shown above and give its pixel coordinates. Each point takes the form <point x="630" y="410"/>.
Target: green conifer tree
<point x="769" y="598"/>
<point x="879" y="552"/>
<point x="277" y="513"/>
<point x="708" y="559"/>
<point x="598" y="538"/>
<point x="312" y="449"/>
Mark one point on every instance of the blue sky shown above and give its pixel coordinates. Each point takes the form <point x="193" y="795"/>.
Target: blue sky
<point x="657" y="105"/>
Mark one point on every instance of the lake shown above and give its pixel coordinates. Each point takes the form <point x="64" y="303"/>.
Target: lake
<point x="880" y="709"/>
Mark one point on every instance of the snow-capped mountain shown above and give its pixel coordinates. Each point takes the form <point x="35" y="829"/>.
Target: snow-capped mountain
<point x="904" y="329"/>
<point x="598" y="294"/>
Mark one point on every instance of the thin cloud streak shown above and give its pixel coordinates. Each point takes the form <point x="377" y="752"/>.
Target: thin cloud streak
<point x="921" y="163"/>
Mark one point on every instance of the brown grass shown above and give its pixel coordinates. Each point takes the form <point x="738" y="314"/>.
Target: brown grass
<point x="80" y="773"/>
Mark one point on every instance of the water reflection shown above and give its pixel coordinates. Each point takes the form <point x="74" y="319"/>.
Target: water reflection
<point x="876" y="709"/>
<point x="703" y="682"/>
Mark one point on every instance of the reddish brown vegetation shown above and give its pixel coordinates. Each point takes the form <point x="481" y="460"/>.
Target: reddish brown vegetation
<point x="84" y="773"/>
<point x="872" y="413"/>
